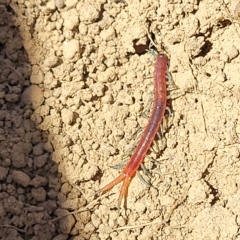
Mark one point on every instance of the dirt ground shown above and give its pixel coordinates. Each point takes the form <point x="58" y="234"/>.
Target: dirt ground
<point x="76" y="84"/>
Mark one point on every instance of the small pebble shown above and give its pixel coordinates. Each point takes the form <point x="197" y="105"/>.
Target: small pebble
<point x="12" y="205"/>
<point x="39" y="194"/>
<point x="70" y="48"/>
<point x="66" y="224"/>
<point x="70" y="19"/>
<point x="11" y="97"/>
<point x="38" y="149"/>
<point x="51" y="61"/>
<point x="59" y="3"/>
<point x="21" y="178"/>
<point x="33" y="95"/>
<point x="107" y="34"/>
<point x="89" y="16"/>
<point x="18" y="156"/>
<point x="39" y="161"/>
<point x="37" y="75"/>
<point x="3" y="173"/>
<point x="39" y="181"/>
<point x="67" y="116"/>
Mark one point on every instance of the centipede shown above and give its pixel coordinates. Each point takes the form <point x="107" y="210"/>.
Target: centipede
<point x="148" y="135"/>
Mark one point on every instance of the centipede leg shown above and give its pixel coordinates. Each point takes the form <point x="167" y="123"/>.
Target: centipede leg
<point x="124" y="191"/>
<point x="138" y="133"/>
<point x="170" y="113"/>
<point x="113" y="183"/>
<point x="149" y="103"/>
<point x="171" y="82"/>
<point x="119" y="165"/>
<point x="157" y="150"/>
<point x="143" y="180"/>
<point x="161" y="133"/>
<point x="151" y="159"/>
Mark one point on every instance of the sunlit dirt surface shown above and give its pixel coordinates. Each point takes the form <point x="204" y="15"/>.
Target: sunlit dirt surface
<point x="76" y="86"/>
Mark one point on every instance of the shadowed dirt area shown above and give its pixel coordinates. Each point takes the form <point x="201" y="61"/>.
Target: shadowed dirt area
<point x="76" y="86"/>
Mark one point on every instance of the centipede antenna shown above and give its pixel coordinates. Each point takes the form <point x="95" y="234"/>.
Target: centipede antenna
<point x="152" y="51"/>
<point x="151" y="40"/>
<point x="164" y="48"/>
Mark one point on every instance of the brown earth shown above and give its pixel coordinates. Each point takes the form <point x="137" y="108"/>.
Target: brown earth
<point x="75" y="84"/>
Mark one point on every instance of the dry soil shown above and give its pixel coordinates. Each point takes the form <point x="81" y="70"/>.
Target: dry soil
<point x="76" y="83"/>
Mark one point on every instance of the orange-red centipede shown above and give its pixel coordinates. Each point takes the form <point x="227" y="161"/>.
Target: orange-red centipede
<point x="159" y="107"/>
